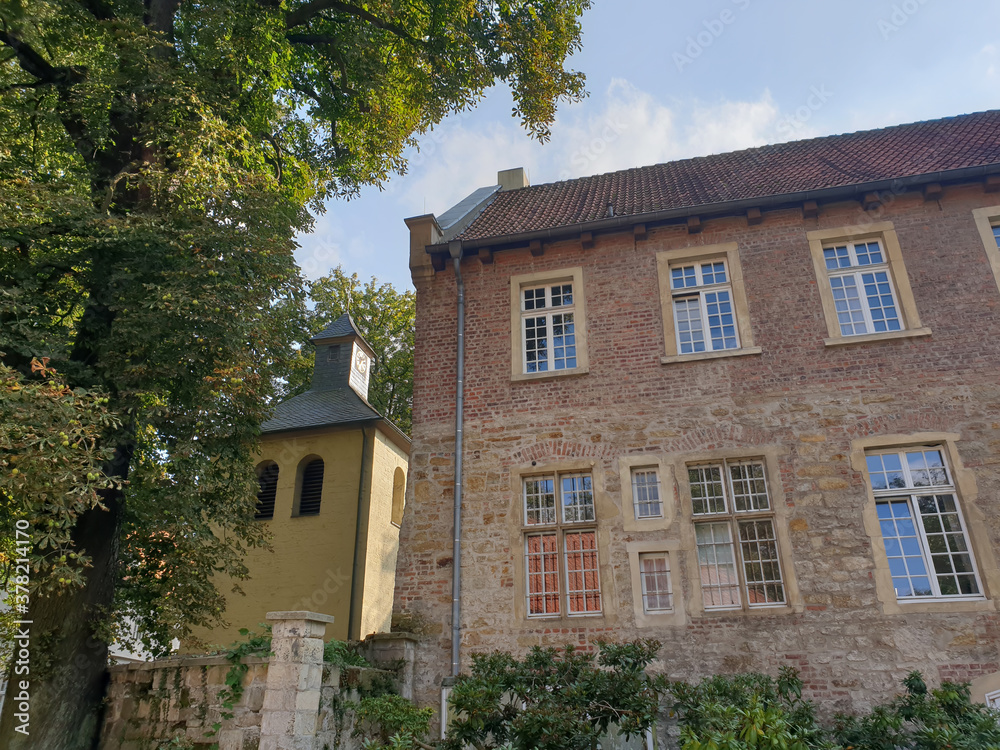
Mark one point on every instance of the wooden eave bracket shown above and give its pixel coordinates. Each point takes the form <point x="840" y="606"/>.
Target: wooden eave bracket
<point x="439" y="261"/>
<point x="754" y="216"/>
<point x="694" y="225"/>
<point x="992" y="183"/>
<point x="870" y="201"/>
<point x="586" y="240"/>
<point x="810" y="210"/>
<point x="485" y="256"/>
<point x="933" y="191"/>
<point x="639" y="231"/>
<point x="535" y="246"/>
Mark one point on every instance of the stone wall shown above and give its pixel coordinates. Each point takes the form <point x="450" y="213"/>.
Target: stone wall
<point x="800" y="401"/>
<point x="290" y="701"/>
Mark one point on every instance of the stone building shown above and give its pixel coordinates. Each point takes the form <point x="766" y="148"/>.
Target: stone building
<point x="332" y="473"/>
<point x="747" y="404"/>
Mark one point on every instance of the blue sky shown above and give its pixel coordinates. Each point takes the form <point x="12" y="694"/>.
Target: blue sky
<point x="670" y="80"/>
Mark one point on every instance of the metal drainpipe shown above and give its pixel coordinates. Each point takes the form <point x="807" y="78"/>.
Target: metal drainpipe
<point x="456" y="589"/>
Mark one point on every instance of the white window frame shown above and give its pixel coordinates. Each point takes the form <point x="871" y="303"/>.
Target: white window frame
<point x="561" y="528"/>
<point x="910" y="493"/>
<point x="699" y="292"/>
<point x="519" y="284"/>
<point x="733" y="518"/>
<point x="856" y="271"/>
<point x="656" y="484"/>
<point x="644" y="585"/>
<point x="549" y="312"/>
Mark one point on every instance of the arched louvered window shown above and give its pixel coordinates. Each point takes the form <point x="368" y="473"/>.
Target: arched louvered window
<point x="398" y="489"/>
<point x="267" y="478"/>
<point x="311" y="488"/>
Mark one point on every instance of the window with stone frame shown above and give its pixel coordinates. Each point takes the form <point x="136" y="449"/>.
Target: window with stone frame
<point x="560" y="545"/>
<point x="863" y="290"/>
<point x="548" y="327"/>
<point x="737" y="545"/>
<point x="923" y="532"/>
<point x="654" y="578"/>
<point x="703" y="306"/>
<point x="646" y="500"/>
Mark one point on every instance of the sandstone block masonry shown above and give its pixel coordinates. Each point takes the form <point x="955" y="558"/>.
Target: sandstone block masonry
<point x="291" y="700"/>
<point x="809" y="408"/>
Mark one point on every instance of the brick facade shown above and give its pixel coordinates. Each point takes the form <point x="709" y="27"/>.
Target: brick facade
<point x="799" y="400"/>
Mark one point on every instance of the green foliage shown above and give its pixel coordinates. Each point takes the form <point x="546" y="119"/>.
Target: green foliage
<point x="385" y="317"/>
<point x="390" y="722"/>
<point x="254" y="644"/>
<point x="939" y="719"/>
<point x="554" y="699"/>
<point x="156" y="161"/>
<point x="343" y="654"/>
<point x="746" y="711"/>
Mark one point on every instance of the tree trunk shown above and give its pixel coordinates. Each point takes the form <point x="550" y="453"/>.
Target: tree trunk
<point x="68" y="663"/>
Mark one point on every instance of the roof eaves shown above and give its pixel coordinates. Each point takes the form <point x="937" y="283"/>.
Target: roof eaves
<point x="723" y="208"/>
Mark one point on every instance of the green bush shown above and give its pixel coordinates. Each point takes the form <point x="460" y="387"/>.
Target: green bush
<point x="747" y="711"/>
<point x="940" y="719"/>
<point x="343" y="654"/>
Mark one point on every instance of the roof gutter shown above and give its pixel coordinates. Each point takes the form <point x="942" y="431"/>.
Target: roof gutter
<point x="784" y="200"/>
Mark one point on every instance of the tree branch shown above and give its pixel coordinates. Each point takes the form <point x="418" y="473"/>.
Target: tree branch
<point x="312" y="40"/>
<point x="99" y="9"/>
<point x="34" y="64"/>
<point x="305" y="12"/>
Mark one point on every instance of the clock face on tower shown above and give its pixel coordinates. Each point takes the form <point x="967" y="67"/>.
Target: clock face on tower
<point x="360" y="364"/>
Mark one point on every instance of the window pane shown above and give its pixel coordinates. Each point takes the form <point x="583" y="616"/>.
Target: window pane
<point x="948" y="552"/>
<point x="837" y="257"/>
<point x="646" y="494"/>
<point x="868" y="253"/>
<point x="577" y="498"/>
<point x="749" y="487"/>
<point x="539" y="501"/>
<point x="996" y="234"/>
<point x="681" y="278"/>
<point x="687" y="318"/>
<point x="926" y="469"/>
<point x="717" y="565"/>
<point x="713" y="273"/>
<point x="902" y="548"/>
<point x="654" y="574"/>
<point x="583" y="588"/>
<point x="534" y="299"/>
<point x="759" y="547"/>
<point x="541" y="563"/>
<point x="562" y="295"/>
<point x="881" y="304"/>
<point x="885" y="471"/>
<point x="706" y="490"/>
<point x="536" y="345"/>
<point x="721" y="320"/>
<point x="563" y="342"/>
<point x="847" y="302"/>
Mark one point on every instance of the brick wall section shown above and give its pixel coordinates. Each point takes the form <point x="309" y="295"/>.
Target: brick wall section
<point x="800" y="394"/>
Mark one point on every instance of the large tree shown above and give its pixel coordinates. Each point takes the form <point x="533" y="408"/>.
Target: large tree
<point x="156" y="159"/>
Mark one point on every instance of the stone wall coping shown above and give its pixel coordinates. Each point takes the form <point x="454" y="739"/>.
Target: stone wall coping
<point x="299" y="615"/>
<point x="184" y="661"/>
<point x="393" y="637"/>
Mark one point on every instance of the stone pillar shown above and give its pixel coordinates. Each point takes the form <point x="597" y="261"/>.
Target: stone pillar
<point x="290" y="713"/>
<point x="396" y="651"/>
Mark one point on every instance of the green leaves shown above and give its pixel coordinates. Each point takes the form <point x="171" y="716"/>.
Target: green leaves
<point x="555" y="699"/>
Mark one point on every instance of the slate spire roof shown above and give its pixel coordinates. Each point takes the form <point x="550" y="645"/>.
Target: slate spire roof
<point x="330" y="400"/>
<point x="920" y="148"/>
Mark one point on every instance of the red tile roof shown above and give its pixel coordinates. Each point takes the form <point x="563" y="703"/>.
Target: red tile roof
<point x="901" y="151"/>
